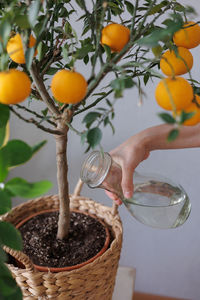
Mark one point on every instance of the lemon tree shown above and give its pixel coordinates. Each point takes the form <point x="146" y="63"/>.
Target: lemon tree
<point x="42" y="40"/>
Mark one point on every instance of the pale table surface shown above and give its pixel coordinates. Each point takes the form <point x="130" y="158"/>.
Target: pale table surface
<point x="125" y="283"/>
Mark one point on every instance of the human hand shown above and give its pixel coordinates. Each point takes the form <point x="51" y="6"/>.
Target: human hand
<point x="128" y="155"/>
<point x="114" y="197"/>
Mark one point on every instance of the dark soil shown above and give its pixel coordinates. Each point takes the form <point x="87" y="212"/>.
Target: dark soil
<point x="86" y="238"/>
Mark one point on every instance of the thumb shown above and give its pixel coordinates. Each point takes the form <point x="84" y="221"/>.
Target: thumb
<point x="127" y="182"/>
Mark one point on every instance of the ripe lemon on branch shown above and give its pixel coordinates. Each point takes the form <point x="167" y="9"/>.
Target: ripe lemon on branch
<point x="188" y="36"/>
<point x="193" y="108"/>
<point x="15" y="86"/>
<point x="174" y="91"/>
<point x="116" y="36"/>
<point x="179" y="63"/>
<point x="15" y="48"/>
<point x="68" y="86"/>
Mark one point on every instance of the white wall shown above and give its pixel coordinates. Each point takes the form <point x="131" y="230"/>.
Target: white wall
<point x="167" y="261"/>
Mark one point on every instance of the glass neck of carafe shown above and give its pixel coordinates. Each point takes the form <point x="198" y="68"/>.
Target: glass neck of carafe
<point x="100" y="171"/>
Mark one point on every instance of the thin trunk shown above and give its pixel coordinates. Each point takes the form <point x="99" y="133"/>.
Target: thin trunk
<point x="63" y="191"/>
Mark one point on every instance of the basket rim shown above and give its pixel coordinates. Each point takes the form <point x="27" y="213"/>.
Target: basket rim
<point x="116" y="226"/>
<point x="77" y="266"/>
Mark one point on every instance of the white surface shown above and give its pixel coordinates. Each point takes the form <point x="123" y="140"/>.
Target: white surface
<point x="125" y="282"/>
<point x="167" y="261"/>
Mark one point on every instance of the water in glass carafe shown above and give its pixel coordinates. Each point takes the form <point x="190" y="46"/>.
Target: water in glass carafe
<point x="157" y="202"/>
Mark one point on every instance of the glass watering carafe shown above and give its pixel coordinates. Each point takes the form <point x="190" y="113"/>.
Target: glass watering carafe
<point x="156" y="202"/>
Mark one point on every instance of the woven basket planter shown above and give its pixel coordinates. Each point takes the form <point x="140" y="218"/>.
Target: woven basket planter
<point x="95" y="280"/>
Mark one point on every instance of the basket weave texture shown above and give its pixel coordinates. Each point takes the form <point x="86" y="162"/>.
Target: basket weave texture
<point x="95" y="280"/>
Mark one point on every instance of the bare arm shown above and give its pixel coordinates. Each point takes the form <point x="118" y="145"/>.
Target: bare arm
<point x="138" y="147"/>
<point x="155" y="138"/>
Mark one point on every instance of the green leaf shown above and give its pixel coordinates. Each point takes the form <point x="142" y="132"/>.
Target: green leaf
<point x="38" y="146"/>
<point x="34" y="12"/>
<point x="115" y="7"/>
<point x="4" y="270"/>
<point x="82" y="52"/>
<point x="4" y="59"/>
<point x="20" y="187"/>
<point x="190" y="10"/>
<point x="17" y="294"/>
<point x="106" y="121"/>
<point x="109" y="103"/>
<point x="4" y="114"/>
<point x="29" y="55"/>
<point x="129" y="7"/>
<point x="146" y="78"/>
<point x="10" y="236"/>
<point x="108" y="51"/>
<point x="86" y="29"/>
<point x="161" y="34"/>
<point x="118" y="86"/>
<point x="81" y="3"/>
<point x="5" y="29"/>
<point x="65" y="53"/>
<point x="3" y="167"/>
<point x="173" y="135"/>
<point x="3" y="256"/>
<point x="90" y="118"/>
<point x="157" y="8"/>
<point x="86" y="59"/>
<point x="42" y="49"/>
<point x="52" y="71"/>
<point x="2" y="135"/>
<point x="68" y="28"/>
<point x="16" y="152"/>
<point x="83" y="137"/>
<point x="5" y="202"/>
<point x="22" y="21"/>
<point x="128" y="82"/>
<point x="8" y="288"/>
<point x="185" y="116"/>
<point x="112" y="127"/>
<point x="45" y="112"/>
<point x="167" y="118"/>
<point x="157" y="50"/>
<point x="94" y="137"/>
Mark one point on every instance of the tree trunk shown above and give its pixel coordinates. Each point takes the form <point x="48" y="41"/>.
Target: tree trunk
<point x="62" y="180"/>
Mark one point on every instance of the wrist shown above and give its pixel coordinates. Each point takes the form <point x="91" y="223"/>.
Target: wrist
<point x="144" y="140"/>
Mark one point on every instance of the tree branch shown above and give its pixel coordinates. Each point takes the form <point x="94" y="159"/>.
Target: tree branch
<point x="140" y="33"/>
<point x="36" y="114"/>
<point x="32" y="121"/>
<point x="51" y="60"/>
<point x="43" y="91"/>
<point x="98" y="39"/>
<point x="133" y="19"/>
<point x="93" y="104"/>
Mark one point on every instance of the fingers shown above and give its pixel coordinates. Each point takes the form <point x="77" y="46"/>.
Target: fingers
<point x="146" y="155"/>
<point x="127" y="181"/>
<point x="118" y="201"/>
<point x="114" y="197"/>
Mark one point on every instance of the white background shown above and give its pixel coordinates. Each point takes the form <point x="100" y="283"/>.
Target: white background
<point x="167" y="262"/>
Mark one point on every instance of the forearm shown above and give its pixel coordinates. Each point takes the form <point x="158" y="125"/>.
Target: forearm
<point x="155" y="138"/>
<point x="137" y="148"/>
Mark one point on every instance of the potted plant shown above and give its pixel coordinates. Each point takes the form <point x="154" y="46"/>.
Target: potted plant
<point x="40" y="55"/>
